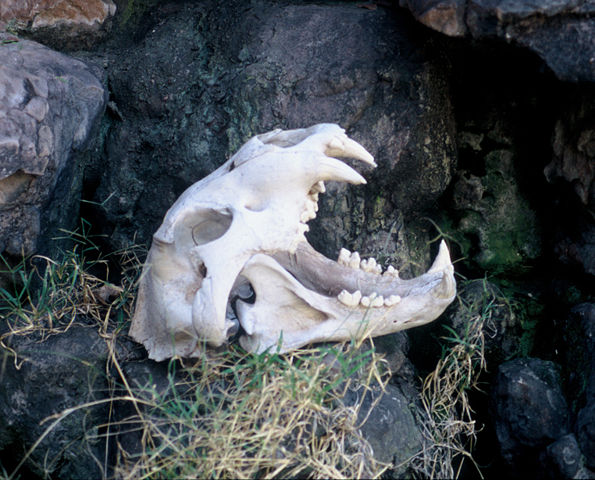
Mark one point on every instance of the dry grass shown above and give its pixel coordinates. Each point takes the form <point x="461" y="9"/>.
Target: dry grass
<point x="238" y="415"/>
<point x="450" y="428"/>
<point x="233" y="414"/>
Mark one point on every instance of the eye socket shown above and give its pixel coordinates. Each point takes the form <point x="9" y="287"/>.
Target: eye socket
<point x="210" y="229"/>
<point x="202" y="226"/>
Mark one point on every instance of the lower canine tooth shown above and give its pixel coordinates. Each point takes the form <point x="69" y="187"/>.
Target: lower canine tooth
<point x="302" y="228"/>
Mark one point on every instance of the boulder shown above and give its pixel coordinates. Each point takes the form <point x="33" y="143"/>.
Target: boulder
<point x="49" y="106"/>
<point x="529" y="411"/>
<point x="579" y="356"/>
<point x="561" y="32"/>
<point x="65" y="371"/>
<point x="572" y="171"/>
<point x="391" y="427"/>
<point x="58" y="23"/>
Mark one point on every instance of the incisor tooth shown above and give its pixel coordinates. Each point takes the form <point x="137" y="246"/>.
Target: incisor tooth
<point x="344" y="256"/>
<point x="354" y="261"/>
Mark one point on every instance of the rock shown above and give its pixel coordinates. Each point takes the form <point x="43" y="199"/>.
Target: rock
<point x="391" y="428"/>
<point x="49" y="105"/>
<point x="62" y="372"/>
<point x="199" y="94"/>
<point x="572" y="170"/>
<point x="504" y="336"/>
<point x="561" y="32"/>
<point x="58" y="23"/>
<point x="497" y="214"/>
<point x="565" y="458"/>
<point x="580" y="364"/>
<point x="529" y="410"/>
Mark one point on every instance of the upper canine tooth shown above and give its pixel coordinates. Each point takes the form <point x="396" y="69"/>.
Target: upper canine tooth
<point x="354" y="261"/>
<point x="344" y="256"/>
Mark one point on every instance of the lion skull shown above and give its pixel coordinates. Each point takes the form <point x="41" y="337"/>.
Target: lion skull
<point x="239" y="232"/>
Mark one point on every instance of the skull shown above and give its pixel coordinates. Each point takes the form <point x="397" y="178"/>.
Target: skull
<point x="239" y="233"/>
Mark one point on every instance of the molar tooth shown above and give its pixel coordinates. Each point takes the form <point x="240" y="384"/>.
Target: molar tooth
<point x="394" y="299"/>
<point x="391" y="271"/>
<point x="365" y="301"/>
<point x="318" y="188"/>
<point x="303" y="228"/>
<point x="336" y="143"/>
<point x="346" y="298"/>
<point x="354" y="261"/>
<point x="377" y="302"/>
<point x="344" y="256"/>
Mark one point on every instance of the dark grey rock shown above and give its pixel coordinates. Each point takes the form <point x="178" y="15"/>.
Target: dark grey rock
<point x="529" y="410"/>
<point x="495" y="211"/>
<point x="391" y="427"/>
<point x="49" y="106"/>
<point x="561" y="32"/>
<point x="565" y="457"/>
<point x="580" y="359"/>
<point x="572" y="171"/>
<point x="210" y="78"/>
<point x="64" y="371"/>
<point x="502" y="330"/>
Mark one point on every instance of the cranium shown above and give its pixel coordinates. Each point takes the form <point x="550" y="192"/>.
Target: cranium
<point x="241" y="229"/>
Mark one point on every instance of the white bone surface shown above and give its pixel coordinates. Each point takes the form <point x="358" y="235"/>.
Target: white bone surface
<point x="242" y="228"/>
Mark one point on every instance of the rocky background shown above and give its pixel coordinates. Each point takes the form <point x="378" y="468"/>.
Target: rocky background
<point x="481" y="117"/>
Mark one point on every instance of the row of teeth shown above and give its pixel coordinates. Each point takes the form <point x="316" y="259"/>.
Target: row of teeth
<point x="312" y="202"/>
<point x="372" y="300"/>
<point x="370" y="265"/>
